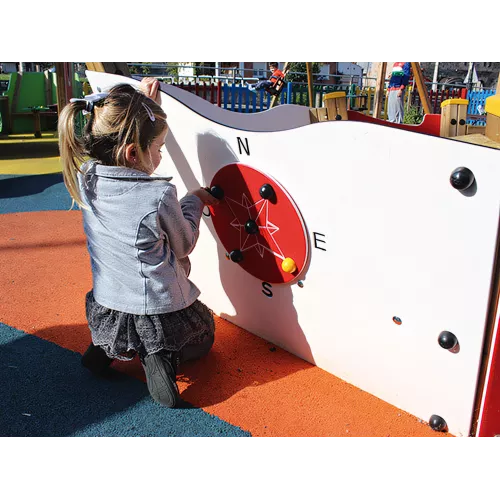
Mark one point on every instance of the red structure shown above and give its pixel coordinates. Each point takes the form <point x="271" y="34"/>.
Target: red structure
<point x="430" y="124"/>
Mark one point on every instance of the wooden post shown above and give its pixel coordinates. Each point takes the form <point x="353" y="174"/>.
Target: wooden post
<point x="38" y="126"/>
<point x="422" y="90"/>
<point x="310" y="83"/>
<point x="379" y="89"/>
<point x="62" y="97"/>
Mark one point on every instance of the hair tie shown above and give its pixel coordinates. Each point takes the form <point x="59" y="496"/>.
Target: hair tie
<point x="90" y="101"/>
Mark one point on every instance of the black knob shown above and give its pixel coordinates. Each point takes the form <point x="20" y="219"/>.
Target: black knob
<point x="267" y="191"/>
<point x="251" y="227"/>
<point x="461" y="178"/>
<point x="338" y="117"/>
<point x="236" y="256"/>
<point x="453" y="121"/>
<point x="447" y="340"/>
<point x="438" y="423"/>
<point x="461" y="122"/>
<point x="217" y="192"/>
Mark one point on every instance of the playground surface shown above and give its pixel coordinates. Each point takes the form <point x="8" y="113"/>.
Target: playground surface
<point x="246" y="386"/>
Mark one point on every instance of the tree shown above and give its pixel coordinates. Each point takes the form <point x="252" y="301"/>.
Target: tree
<point x="300" y="67"/>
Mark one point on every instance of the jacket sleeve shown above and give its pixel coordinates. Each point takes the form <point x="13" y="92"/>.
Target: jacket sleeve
<point x="179" y="221"/>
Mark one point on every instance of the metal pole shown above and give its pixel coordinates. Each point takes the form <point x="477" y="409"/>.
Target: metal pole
<point x="435" y="76"/>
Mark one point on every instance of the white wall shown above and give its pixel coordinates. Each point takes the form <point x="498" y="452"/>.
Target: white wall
<point x="398" y="240"/>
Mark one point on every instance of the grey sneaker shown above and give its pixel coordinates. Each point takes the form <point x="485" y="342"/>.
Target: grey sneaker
<point x="161" y="370"/>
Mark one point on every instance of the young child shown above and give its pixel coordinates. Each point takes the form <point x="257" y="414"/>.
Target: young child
<point x="265" y="84"/>
<point x="139" y="236"/>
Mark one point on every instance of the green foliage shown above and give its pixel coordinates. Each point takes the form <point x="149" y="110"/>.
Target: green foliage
<point x="413" y="116"/>
<point x="300" y="67"/>
<point x="207" y="69"/>
<point x="138" y="69"/>
<point x="146" y="70"/>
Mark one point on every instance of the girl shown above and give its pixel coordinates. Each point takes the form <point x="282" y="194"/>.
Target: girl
<point x="139" y="236"/>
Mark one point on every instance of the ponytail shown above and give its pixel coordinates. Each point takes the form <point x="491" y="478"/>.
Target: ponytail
<point x="71" y="149"/>
<point x="122" y="116"/>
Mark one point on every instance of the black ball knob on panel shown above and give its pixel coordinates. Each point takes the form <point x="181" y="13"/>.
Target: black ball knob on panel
<point x="438" y="423"/>
<point x="447" y="340"/>
<point x="267" y="192"/>
<point x="251" y="227"/>
<point x="236" y="256"/>
<point x="217" y="192"/>
<point x="462" y="178"/>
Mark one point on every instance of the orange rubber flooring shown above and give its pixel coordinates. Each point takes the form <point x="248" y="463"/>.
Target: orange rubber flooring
<point x="245" y="380"/>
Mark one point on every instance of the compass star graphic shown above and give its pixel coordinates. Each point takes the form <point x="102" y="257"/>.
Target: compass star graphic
<point x="264" y="240"/>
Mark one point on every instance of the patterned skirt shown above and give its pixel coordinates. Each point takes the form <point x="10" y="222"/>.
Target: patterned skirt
<point x="122" y="335"/>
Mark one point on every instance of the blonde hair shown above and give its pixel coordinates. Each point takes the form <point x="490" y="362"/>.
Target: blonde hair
<point x="121" y="118"/>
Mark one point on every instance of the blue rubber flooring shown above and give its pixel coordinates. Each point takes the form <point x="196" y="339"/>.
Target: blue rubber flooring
<point x="33" y="193"/>
<point x="46" y="392"/>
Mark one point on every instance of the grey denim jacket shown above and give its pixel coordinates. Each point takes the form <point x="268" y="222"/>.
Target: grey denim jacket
<point x="139" y="236"/>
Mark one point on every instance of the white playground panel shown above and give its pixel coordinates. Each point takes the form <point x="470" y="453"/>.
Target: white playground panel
<point x="398" y="241"/>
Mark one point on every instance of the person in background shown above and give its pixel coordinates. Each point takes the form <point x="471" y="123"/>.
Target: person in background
<point x="400" y="76"/>
<point x="265" y="84"/>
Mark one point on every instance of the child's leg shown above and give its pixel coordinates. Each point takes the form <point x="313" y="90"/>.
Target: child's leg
<point x="197" y="350"/>
<point x="96" y="360"/>
<point x="263" y="85"/>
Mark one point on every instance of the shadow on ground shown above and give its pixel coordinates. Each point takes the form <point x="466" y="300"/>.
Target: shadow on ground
<point x="33" y="193"/>
<point x="238" y="360"/>
<point x="46" y="392"/>
<point x="26" y="185"/>
<point x="17" y="150"/>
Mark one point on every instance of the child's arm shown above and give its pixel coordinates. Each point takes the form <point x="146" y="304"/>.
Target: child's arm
<point x="179" y="220"/>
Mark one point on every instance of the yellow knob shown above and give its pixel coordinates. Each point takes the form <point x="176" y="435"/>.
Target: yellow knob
<point x="288" y="265"/>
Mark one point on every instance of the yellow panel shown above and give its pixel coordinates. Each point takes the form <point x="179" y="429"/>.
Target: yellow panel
<point x="334" y="95"/>
<point x="454" y="101"/>
<point x="493" y="105"/>
<point x="30" y="166"/>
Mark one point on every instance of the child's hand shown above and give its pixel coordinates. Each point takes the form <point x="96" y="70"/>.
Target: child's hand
<point x="205" y="196"/>
<point x="151" y="87"/>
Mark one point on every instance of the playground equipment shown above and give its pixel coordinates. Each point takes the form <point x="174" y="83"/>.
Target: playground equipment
<point x="367" y="250"/>
<point x="453" y="117"/>
<point x="29" y="100"/>
<point x="493" y="116"/>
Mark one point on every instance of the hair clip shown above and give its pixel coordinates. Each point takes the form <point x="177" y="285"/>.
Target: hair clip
<point x="149" y="112"/>
<point x="90" y="100"/>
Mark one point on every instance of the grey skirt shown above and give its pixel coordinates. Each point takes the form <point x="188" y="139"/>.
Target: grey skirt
<point x="122" y="335"/>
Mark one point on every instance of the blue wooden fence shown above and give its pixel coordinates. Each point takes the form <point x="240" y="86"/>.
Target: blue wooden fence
<point x="477" y="98"/>
<point x="238" y="98"/>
